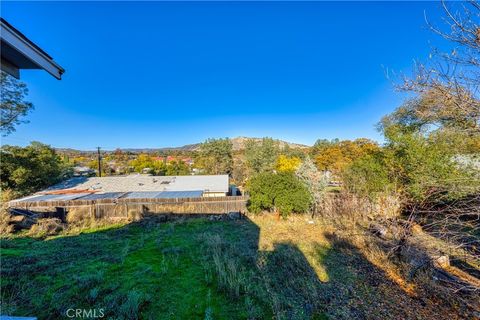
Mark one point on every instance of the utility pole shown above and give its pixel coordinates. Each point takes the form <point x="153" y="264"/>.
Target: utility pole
<point x="99" y="162"/>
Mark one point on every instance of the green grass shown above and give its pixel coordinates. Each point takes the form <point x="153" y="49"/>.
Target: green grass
<point x="192" y="270"/>
<point x="199" y="269"/>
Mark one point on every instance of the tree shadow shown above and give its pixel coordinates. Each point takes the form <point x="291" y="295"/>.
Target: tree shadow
<point x="363" y="289"/>
<point x="206" y="267"/>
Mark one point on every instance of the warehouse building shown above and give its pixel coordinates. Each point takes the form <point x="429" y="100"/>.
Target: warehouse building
<point x="134" y="187"/>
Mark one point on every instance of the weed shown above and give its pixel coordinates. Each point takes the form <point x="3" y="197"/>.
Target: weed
<point x="130" y="308"/>
<point x="89" y="280"/>
<point x="124" y="252"/>
<point x="253" y="310"/>
<point x="208" y="313"/>
<point x="46" y="227"/>
<point x="163" y="265"/>
<point x="93" y="294"/>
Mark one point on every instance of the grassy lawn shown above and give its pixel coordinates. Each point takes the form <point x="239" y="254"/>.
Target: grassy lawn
<point x="254" y="268"/>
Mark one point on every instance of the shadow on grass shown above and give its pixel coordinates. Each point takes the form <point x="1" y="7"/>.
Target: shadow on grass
<point x="191" y="269"/>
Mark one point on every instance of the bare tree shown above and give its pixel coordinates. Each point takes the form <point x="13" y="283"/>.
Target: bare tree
<point x="448" y="86"/>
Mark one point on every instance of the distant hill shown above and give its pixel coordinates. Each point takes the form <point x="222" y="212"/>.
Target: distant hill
<point x="238" y="144"/>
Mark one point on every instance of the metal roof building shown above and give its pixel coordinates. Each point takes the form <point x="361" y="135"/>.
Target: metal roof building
<point x="133" y="187"/>
<point x="143" y="183"/>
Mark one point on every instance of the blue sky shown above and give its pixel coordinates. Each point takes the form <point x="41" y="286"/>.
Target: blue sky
<point x="155" y="74"/>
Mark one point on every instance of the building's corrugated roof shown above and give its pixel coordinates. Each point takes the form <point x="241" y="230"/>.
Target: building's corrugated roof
<point x="60" y="197"/>
<point x="52" y="197"/>
<point x="113" y="195"/>
<point x="146" y="183"/>
<point x="179" y="194"/>
<point x="40" y="197"/>
<point x="98" y="196"/>
<point x="141" y="195"/>
<point x="163" y="194"/>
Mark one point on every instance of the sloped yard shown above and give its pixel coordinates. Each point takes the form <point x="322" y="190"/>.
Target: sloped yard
<point x="200" y="269"/>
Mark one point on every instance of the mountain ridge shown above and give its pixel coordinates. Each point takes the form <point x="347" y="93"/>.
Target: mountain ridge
<point x="238" y="143"/>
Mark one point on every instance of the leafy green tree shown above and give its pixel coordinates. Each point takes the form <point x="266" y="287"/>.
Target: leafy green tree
<point x="440" y="121"/>
<point x="290" y="152"/>
<point x="239" y="172"/>
<point x="159" y="168"/>
<point x="421" y="168"/>
<point x="32" y="168"/>
<point x="368" y="176"/>
<point x="177" y="168"/>
<point x="411" y="164"/>
<point x="336" y="155"/>
<point x="261" y="156"/>
<point x="145" y="161"/>
<point x="215" y="156"/>
<point x="13" y="104"/>
<point x="322" y="144"/>
<point x="282" y="192"/>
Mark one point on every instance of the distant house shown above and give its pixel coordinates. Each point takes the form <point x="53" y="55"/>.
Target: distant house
<point x="79" y="171"/>
<point x="167" y="159"/>
<point x="18" y="52"/>
<point x="197" y="171"/>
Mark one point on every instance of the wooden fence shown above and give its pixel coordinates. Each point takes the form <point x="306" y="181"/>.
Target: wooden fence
<point x="123" y="207"/>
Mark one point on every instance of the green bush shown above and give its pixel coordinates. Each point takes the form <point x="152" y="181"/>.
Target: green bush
<point x="24" y="170"/>
<point x="424" y="171"/>
<point x="367" y="176"/>
<point x="278" y="191"/>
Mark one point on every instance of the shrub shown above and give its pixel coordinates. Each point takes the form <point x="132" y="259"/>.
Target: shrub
<point x="28" y="169"/>
<point x="79" y="216"/>
<point x="424" y="168"/>
<point x="367" y="177"/>
<point x="414" y="166"/>
<point x="278" y="191"/>
<point x="8" y="194"/>
<point x="5" y="226"/>
<point x="47" y="227"/>
<point x="314" y="180"/>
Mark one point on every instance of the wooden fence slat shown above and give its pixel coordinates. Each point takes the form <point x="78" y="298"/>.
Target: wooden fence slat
<point x="110" y="207"/>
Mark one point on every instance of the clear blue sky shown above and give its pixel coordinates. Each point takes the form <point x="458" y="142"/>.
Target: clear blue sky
<point x="154" y="74"/>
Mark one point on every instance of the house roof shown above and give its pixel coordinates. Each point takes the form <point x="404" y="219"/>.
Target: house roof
<point x="130" y="187"/>
<point x="111" y="195"/>
<point x="145" y="183"/>
<point x="18" y="52"/>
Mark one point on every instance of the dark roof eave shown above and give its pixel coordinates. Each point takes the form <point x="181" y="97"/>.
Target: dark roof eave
<point x="26" y="48"/>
